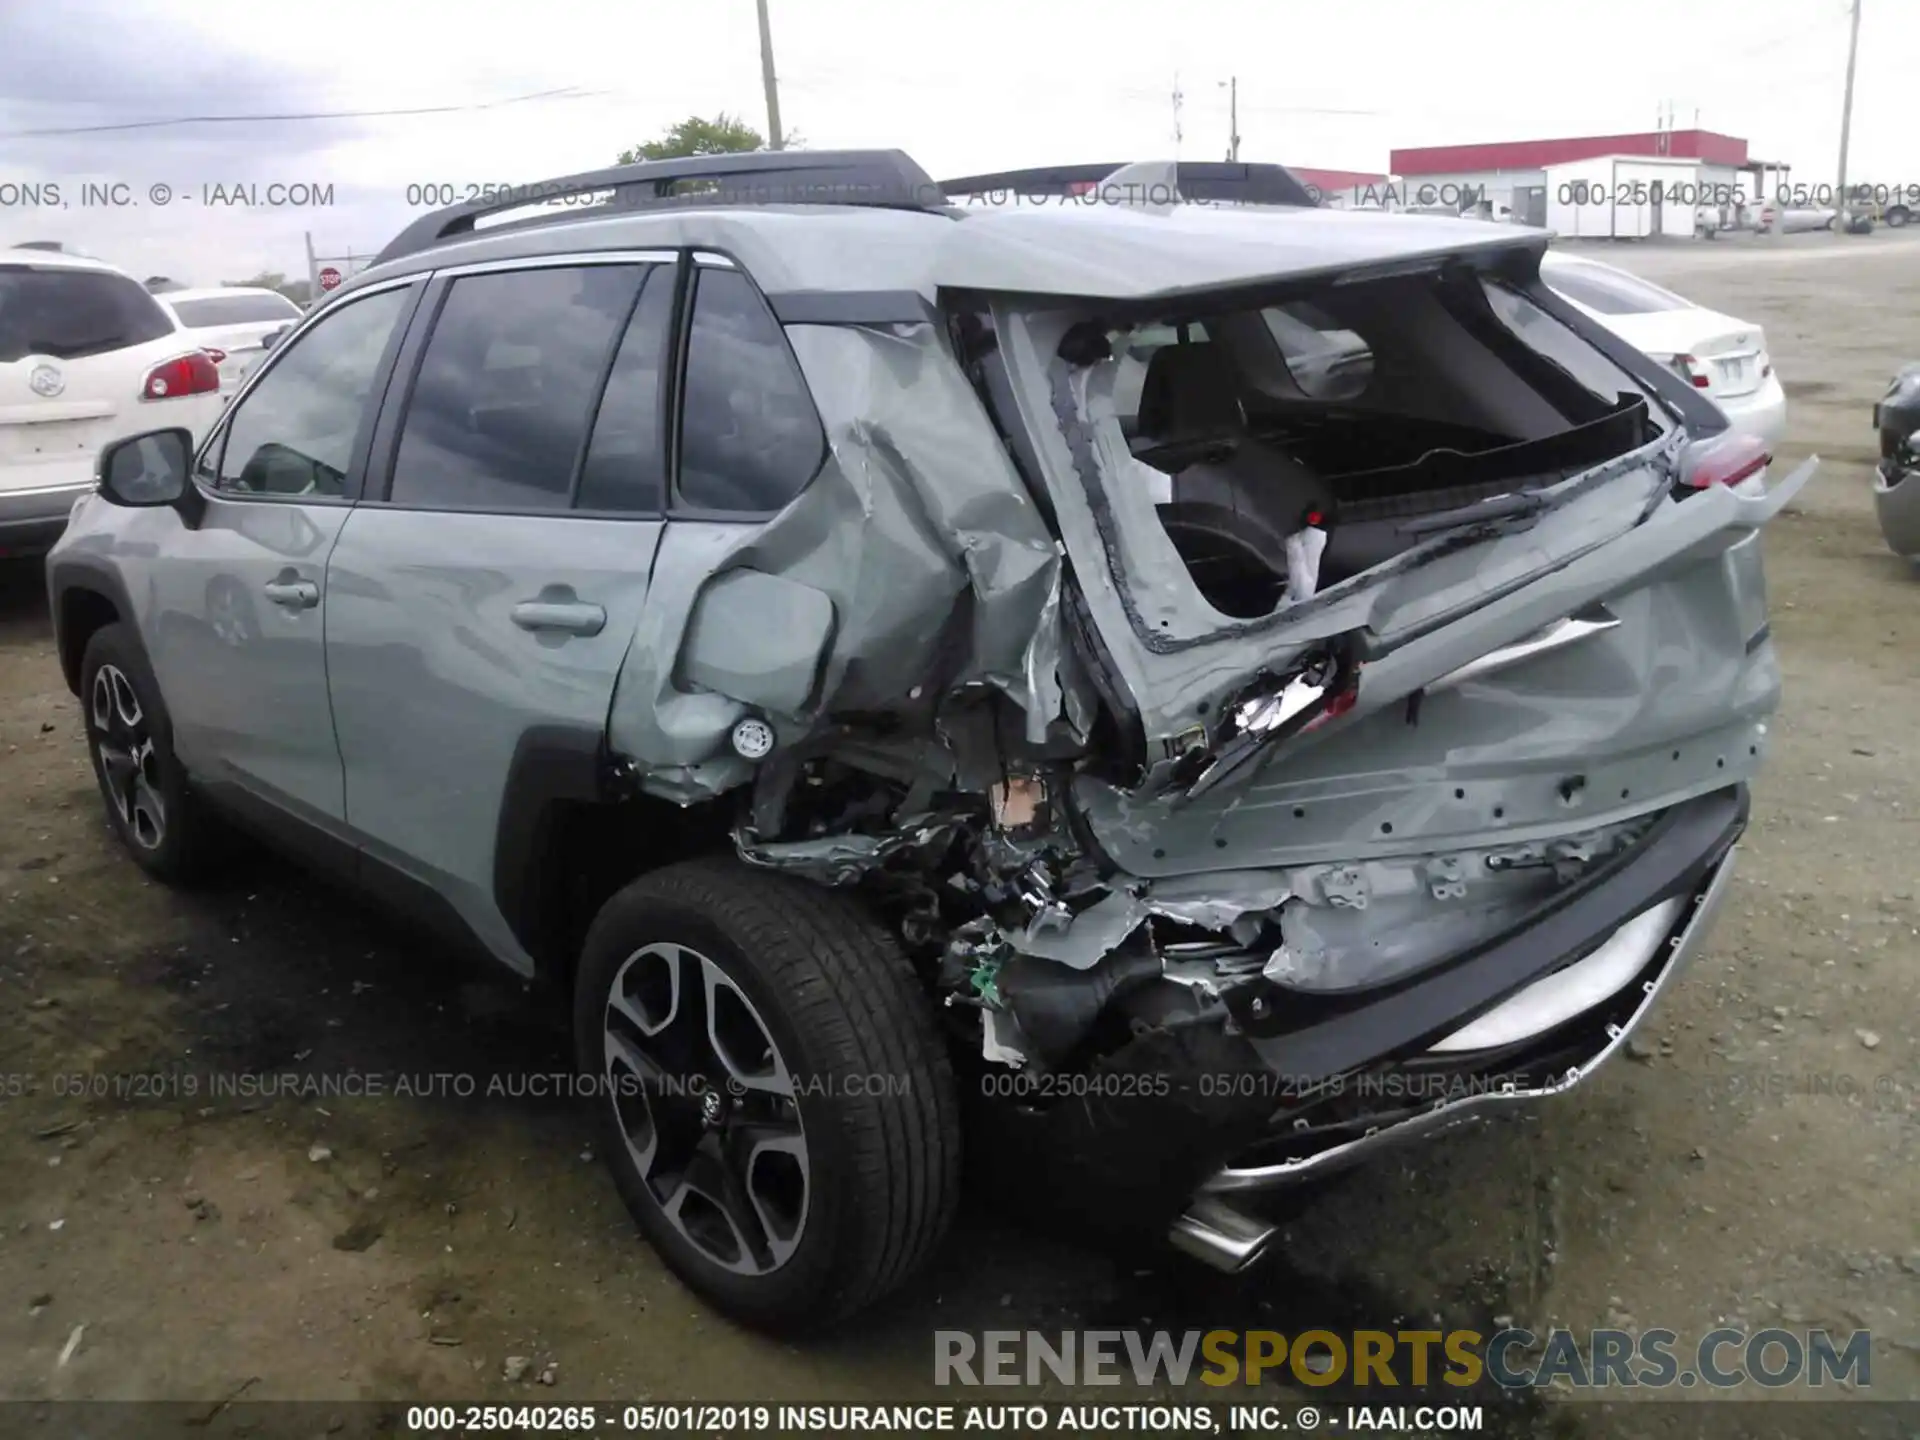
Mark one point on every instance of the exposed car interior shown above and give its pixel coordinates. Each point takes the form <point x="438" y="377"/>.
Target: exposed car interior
<point x="1357" y="409"/>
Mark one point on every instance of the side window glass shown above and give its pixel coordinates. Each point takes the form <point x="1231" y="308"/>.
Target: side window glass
<point x="506" y="386"/>
<point x="626" y="467"/>
<point x="1326" y="361"/>
<point x="1552" y="339"/>
<point x="293" y="433"/>
<point x="750" y="438"/>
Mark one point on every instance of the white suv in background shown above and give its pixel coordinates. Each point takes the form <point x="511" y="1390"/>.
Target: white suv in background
<point x="86" y="356"/>
<point x="232" y="323"/>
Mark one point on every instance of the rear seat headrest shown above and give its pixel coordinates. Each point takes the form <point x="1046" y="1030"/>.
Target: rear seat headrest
<point x="1190" y="392"/>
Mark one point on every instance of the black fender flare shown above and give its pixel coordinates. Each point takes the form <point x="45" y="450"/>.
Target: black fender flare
<point x="70" y="573"/>
<point x="551" y="763"/>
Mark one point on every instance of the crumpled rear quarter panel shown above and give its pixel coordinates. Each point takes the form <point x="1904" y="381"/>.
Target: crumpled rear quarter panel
<point x="941" y="569"/>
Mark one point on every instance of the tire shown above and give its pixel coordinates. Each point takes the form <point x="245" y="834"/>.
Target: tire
<point x="1898" y="216"/>
<point x="812" y="1234"/>
<point x="164" y="826"/>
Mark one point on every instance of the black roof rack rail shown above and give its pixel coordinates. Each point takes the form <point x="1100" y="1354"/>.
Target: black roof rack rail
<point x="883" y="179"/>
<point x="1241" y="182"/>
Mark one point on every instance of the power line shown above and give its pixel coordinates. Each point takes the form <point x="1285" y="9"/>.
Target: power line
<point x="570" y="92"/>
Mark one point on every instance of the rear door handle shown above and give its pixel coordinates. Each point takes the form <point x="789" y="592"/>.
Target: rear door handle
<point x="569" y="617"/>
<point x="294" y="594"/>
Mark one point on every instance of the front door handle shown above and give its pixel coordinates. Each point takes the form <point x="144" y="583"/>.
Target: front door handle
<point x="294" y="594"/>
<point x="569" y="617"/>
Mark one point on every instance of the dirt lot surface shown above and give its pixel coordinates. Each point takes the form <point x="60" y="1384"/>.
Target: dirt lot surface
<point x="1755" y="1161"/>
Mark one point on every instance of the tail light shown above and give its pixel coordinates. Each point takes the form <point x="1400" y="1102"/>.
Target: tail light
<point x="192" y="374"/>
<point x="218" y="356"/>
<point x="1725" y="459"/>
<point x="1689" y="369"/>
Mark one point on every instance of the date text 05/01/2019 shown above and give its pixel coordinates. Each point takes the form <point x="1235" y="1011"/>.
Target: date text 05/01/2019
<point x="917" y="1420"/>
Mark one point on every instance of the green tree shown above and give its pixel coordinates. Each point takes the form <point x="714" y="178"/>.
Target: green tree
<point x="696" y="135"/>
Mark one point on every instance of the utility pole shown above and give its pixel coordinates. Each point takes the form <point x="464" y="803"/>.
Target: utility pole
<point x="1233" y="118"/>
<point x="1177" y="99"/>
<point x="776" y="137"/>
<point x="1846" y="114"/>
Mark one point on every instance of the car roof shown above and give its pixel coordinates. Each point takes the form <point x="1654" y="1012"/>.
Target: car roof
<point x="57" y="260"/>
<point x="812" y="226"/>
<point x="211" y="292"/>
<point x="1122" y="252"/>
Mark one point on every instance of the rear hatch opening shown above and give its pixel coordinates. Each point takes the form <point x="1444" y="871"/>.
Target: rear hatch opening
<point x="1295" y="441"/>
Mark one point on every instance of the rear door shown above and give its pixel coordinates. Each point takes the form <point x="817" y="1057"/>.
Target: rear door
<point x="74" y="350"/>
<point x="486" y="590"/>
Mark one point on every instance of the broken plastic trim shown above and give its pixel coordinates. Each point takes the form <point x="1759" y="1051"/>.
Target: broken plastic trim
<point x="1325" y="686"/>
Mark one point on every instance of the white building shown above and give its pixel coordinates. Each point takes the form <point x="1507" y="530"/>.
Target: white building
<point x="1606" y="186"/>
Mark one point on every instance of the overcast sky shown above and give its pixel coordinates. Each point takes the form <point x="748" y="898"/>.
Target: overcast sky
<point x="991" y="84"/>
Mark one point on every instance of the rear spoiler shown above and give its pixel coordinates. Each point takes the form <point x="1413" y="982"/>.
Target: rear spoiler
<point x="1214" y="180"/>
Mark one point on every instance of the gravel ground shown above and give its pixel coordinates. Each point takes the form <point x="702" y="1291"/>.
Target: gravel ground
<point x="1753" y="1162"/>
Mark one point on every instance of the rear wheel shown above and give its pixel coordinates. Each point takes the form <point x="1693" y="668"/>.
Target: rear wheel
<point x="161" y="823"/>
<point x="775" y="1101"/>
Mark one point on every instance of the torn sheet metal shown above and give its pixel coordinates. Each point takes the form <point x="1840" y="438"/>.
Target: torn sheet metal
<point x="940" y="570"/>
<point x="1214" y="901"/>
<point x="844" y="859"/>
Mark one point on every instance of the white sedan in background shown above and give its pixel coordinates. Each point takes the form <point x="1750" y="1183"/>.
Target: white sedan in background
<point x="231" y="323"/>
<point x="1722" y="356"/>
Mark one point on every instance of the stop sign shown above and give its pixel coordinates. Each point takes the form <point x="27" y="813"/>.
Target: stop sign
<point x="329" y="277"/>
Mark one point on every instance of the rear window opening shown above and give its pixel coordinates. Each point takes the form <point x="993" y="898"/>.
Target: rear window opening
<point x="68" y="314"/>
<point x="1357" y="409"/>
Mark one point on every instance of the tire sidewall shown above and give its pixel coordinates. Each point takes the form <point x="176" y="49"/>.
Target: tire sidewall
<point x="631" y="921"/>
<point x="111" y="645"/>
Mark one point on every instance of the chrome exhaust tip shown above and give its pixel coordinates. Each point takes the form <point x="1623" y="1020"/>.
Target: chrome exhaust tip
<point x="1221" y="1237"/>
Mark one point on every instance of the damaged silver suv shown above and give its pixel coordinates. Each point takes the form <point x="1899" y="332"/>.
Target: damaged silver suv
<point x="1219" y="686"/>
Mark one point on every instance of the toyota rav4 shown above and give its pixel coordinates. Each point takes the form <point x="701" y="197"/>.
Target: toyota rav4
<point x="1220" y="686"/>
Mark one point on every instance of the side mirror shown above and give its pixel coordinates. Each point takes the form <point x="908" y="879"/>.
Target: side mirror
<point x="151" y="470"/>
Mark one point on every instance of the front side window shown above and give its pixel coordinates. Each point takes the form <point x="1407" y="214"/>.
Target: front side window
<point x="750" y="438"/>
<point x="294" y="432"/>
<point x="501" y="405"/>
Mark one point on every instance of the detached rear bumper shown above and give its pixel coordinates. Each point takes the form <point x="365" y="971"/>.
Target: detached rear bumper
<point x="1294" y="1086"/>
<point x="1447" y="1086"/>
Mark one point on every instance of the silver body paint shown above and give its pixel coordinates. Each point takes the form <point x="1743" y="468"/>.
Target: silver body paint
<point x="922" y="572"/>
